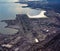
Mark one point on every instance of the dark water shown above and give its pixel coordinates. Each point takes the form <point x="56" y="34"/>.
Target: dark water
<point x="9" y="10"/>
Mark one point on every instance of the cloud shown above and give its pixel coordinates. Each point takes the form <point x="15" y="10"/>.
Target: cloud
<point x="32" y="0"/>
<point x="8" y="0"/>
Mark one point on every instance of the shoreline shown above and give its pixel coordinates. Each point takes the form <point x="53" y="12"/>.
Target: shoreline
<point x="41" y="15"/>
<point x="37" y="32"/>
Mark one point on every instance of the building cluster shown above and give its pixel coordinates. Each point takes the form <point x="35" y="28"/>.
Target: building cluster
<point x="30" y="31"/>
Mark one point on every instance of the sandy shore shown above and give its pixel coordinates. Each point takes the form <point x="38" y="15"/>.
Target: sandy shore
<point x="41" y="15"/>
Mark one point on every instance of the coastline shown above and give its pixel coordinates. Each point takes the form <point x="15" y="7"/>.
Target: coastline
<point x="32" y="32"/>
<point x="40" y="15"/>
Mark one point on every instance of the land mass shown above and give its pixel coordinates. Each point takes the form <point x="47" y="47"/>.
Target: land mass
<point x="34" y="34"/>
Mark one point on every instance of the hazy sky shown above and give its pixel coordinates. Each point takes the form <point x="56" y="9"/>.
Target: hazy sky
<point x="8" y="0"/>
<point x="18" y="0"/>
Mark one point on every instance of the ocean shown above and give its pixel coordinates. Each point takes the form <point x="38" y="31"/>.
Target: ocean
<point x="8" y="11"/>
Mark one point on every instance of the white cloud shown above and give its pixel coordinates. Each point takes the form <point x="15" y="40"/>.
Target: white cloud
<point x="8" y="0"/>
<point x="33" y="0"/>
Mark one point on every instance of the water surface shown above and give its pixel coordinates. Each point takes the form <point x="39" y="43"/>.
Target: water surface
<point x="8" y="11"/>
